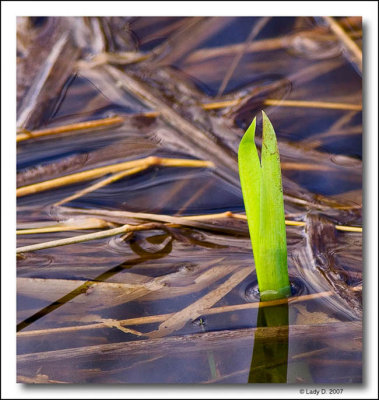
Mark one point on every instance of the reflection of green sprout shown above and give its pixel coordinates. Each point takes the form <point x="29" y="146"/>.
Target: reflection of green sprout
<point x="262" y="191"/>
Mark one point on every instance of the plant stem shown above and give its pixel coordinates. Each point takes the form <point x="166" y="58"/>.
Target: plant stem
<point x="261" y="184"/>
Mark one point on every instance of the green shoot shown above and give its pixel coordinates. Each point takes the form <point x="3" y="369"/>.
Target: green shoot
<point x="261" y="183"/>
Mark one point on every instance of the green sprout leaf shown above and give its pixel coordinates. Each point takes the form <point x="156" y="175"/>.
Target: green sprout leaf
<point x="262" y="192"/>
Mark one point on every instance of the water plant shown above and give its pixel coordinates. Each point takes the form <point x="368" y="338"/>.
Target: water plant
<point x="262" y="191"/>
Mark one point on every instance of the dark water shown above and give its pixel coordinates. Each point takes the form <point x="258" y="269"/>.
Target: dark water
<point x="164" y="271"/>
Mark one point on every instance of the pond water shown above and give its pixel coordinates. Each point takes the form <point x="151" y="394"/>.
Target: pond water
<point x="177" y="302"/>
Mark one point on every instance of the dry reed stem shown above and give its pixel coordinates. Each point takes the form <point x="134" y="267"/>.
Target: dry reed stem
<point x="287" y="103"/>
<point x="348" y="228"/>
<point x="102" y="123"/>
<point x="151" y="319"/>
<point x="99" y="123"/>
<point x="97" y="172"/>
<point x="113" y="323"/>
<point x="47" y="76"/>
<point x="229" y="214"/>
<point x="260" y="45"/>
<point x="350" y="45"/>
<point x="130" y="228"/>
<point x="313" y="104"/>
<point x="177" y="220"/>
<point x="183" y="220"/>
<point x="194" y="310"/>
<point x="39" y="378"/>
<point x="220" y="104"/>
<point x="124" y="58"/>
<point x="87" y="237"/>
<point x="84" y="223"/>
<point x="101" y="184"/>
<point x="302" y="202"/>
<point x="151" y="114"/>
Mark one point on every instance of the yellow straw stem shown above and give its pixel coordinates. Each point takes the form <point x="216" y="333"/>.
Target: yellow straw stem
<point x="349" y="43"/>
<point x="287" y="103"/>
<point x="220" y="104"/>
<point x="349" y="228"/>
<point x="87" y="237"/>
<point x="313" y="104"/>
<point x="101" y="171"/>
<point x="83" y="223"/>
<point x="99" y="123"/>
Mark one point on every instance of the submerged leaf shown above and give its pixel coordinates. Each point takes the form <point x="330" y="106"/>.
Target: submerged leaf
<point x="263" y="197"/>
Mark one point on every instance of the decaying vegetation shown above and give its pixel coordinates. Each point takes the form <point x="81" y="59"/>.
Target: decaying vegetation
<point x="133" y="249"/>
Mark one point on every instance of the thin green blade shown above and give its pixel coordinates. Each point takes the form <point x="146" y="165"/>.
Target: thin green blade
<point x="273" y="244"/>
<point x="250" y="176"/>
